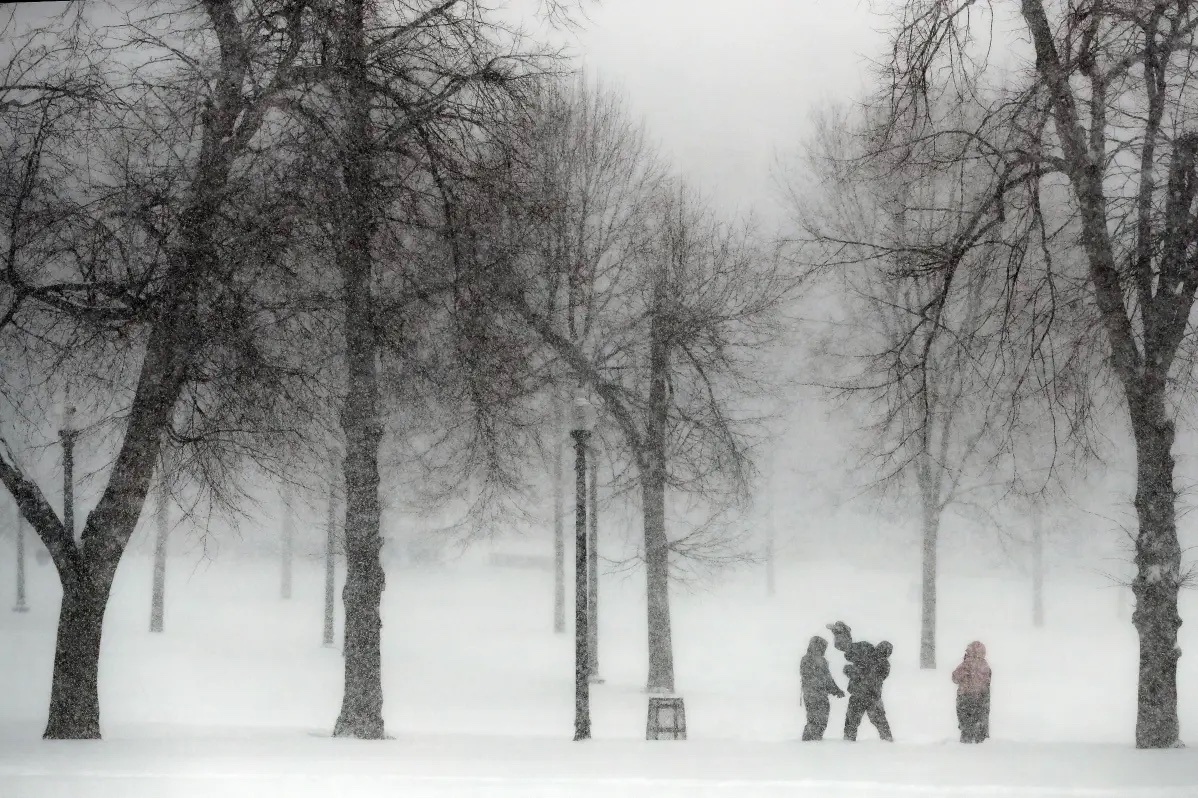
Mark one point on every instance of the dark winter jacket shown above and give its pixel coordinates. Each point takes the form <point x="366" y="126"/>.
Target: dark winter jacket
<point x="972" y="676"/>
<point x="816" y="680"/>
<point x="877" y="669"/>
<point x="868" y="666"/>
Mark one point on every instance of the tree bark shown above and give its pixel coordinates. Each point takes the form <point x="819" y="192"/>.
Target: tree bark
<point x="74" y="689"/>
<point x="158" y="587"/>
<point x="927" y="624"/>
<point x="1158" y="571"/>
<point x="362" y="704"/>
<point x="559" y="532"/>
<point x="657" y="544"/>
<point x="20" y="605"/>
<point x="330" y="574"/>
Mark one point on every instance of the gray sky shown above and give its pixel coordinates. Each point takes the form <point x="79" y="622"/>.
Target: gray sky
<point x="722" y="84"/>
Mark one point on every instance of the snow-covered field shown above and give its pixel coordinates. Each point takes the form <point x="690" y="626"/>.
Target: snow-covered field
<point x="237" y="697"/>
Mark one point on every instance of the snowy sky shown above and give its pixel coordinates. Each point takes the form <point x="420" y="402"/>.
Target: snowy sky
<point x="724" y="85"/>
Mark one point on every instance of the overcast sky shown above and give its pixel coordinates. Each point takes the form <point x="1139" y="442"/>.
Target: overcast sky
<point x="722" y="84"/>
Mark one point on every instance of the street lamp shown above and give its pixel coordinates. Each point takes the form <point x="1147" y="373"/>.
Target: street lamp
<point x="581" y="424"/>
<point x="593" y="575"/>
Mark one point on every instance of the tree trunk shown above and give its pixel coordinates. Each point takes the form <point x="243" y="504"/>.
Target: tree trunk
<point x="20" y="605"/>
<point x="362" y="705"/>
<point x="74" y="688"/>
<point x="158" y="588"/>
<point x="330" y="574"/>
<point x="657" y="544"/>
<point x="287" y="543"/>
<point x="927" y="625"/>
<point x="1037" y="569"/>
<point x="657" y="568"/>
<point x="559" y="532"/>
<point x="1158" y="570"/>
<point x="68" y="483"/>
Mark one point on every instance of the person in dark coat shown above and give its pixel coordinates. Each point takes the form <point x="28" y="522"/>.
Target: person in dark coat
<point x="867" y="668"/>
<point x="817" y="684"/>
<point x="972" y="678"/>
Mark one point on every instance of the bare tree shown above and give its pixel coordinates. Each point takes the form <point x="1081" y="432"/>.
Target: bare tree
<point x="671" y="316"/>
<point x="153" y="320"/>
<point x="916" y="364"/>
<point x="407" y="89"/>
<point x="1091" y="125"/>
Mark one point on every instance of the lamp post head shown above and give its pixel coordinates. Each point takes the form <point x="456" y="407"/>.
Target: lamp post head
<point x="583" y="415"/>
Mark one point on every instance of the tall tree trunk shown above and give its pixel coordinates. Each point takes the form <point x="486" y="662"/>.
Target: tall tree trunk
<point x="657" y="577"/>
<point x="68" y="480"/>
<point x="74" y="689"/>
<point x="158" y="586"/>
<point x="1037" y="567"/>
<point x="927" y="622"/>
<point x="1158" y="571"/>
<point x="330" y="549"/>
<point x="287" y="542"/>
<point x="20" y="605"/>
<point x="559" y="532"/>
<point x="657" y="544"/>
<point x="362" y="705"/>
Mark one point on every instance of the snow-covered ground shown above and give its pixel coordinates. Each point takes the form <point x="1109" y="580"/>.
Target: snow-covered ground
<point x="237" y="697"/>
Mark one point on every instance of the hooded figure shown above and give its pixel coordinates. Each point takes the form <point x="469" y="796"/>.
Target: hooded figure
<point x="972" y="678"/>
<point x="867" y="669"/>
<point x="817" y="684"/>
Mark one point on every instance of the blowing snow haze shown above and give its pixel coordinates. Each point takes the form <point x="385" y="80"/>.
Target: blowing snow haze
<point x="780" y="397"/>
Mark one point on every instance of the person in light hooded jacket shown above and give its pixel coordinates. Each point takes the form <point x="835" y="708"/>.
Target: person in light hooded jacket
<point x="972" y="678"/>
<point x="817" y="684"/>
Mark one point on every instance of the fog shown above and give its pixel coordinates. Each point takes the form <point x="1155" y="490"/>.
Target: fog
<point x="480" y="616"/>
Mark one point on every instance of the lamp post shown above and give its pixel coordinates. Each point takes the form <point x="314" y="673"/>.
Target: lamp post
<point x="581" y="432"/>
<point x="593" y="576"/>
<point x="67" y="435"/>
<point x="20" y="606"/>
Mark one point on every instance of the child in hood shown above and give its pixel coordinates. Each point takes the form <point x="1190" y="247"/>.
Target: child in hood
<point x="972" y="678"/>
<point x="817" y="684"/>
